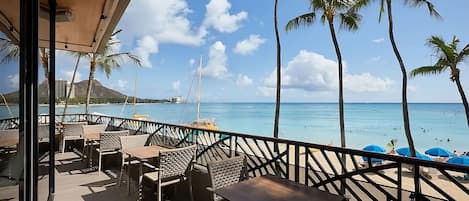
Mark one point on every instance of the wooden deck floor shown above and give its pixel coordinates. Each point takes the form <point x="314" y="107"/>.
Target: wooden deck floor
<point x="76" y="182"/>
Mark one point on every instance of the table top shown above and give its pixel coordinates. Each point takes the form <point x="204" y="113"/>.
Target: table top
<point x="273" y="188"/>
<point x="91" y="136"/>
<point x="8" y="142"/>
<point x="145" y="152"/>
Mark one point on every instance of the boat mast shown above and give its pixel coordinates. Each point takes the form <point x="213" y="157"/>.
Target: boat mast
<point x="198" y="83"/>
<point x="6" y="104"/>
<point x="135" y="93"/>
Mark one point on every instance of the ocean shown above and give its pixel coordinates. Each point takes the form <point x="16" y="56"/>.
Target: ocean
<point x="432" y="124"/>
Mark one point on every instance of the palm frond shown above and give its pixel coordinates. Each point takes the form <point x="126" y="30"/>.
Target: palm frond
<point x="381" y="10"/>
<point x="9" y="50"/>
<point x="350" y="20"/>
<point x="302" y="20"/>
<point x="440" y="47"/>
<point x="427" y="70"/>
<point x="431" y="8"/>
<point x="463" y="54"/>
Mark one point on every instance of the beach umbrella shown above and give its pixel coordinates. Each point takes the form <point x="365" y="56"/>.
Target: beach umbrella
<point x="438" y="151"/>
<point x="374" y="148"/>
<point x="405" y="151"/>
<point x="423" y="157"/>
<point x="460" y="160"/>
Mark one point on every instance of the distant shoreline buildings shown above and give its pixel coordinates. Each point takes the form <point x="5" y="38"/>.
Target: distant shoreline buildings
<point x="176" y="99"/>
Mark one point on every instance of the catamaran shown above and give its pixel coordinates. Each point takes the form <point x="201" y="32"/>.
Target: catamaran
<point x="198" y="122"/>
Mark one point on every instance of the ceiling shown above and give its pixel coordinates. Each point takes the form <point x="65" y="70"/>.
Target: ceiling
<point x="92" y="24"/>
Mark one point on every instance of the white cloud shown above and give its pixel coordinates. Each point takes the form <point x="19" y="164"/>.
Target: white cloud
<point x="243" y="80"/>
<point x="248" y="45"/>
<point x="412" y="88"/>
<point x="378" y="40"/>
<point x="216" y="66"/>
<point x="165" y="21"/>
<point x="375" y="59"/>
<point x="266" y="91"/>
<point x="366" y="82"/>
<point x="69" y="74"/>
<point x="146" y="46"/>
<point x="121" y="85"/>
<point x="191" y="62"/>
<point x="313" y="72"/>
<point x="219" y="17"/>
<point x="14" y="81"/>
<point x="176" y="85"/>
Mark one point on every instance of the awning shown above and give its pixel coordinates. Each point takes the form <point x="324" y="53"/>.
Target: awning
<point x="82" y="25"/>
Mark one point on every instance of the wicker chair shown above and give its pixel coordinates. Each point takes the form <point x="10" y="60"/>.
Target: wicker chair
<point x="127" y="142"/>
<point x="6" y="135"/>
<point x="72" y="131"/>
<point x="225" y="172"/>
<point x="172" y="166"/>
<point x="43" y="133"/>
<point x="109" y="143"/>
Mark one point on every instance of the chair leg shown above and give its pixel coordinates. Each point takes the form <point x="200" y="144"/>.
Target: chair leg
<point x="191" y="195"/>
<point x="99" y="163"/>
<point x="120" y="176"/>
<point x="63" y="146"/>
<point x="160" y="194"/>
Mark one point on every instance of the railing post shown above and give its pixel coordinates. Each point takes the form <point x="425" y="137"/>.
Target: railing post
<point x="417" y="180"/>
<point x="297" y="163"/>
<point x="399" y="181"/>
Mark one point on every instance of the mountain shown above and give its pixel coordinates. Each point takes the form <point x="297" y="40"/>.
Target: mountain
<point x="99" y="94"/>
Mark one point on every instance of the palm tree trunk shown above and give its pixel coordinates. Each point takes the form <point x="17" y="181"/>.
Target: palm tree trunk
<point x="279" y="73"/>
<point x="405" y="111"/>
<point x="90" y="82"/>
<point x="341" y="87"/>
<point x="341" y="99"/>
<point x="463" y="98"/>
<point x="71" y="86"/>
<point x="279" y="81"/>
<point x="45" y="66"/>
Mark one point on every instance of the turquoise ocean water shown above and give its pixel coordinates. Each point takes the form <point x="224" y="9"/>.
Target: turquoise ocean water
<point x="366" y="123"/>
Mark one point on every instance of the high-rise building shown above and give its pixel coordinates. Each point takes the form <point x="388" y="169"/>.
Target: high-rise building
<point x="72" y="92"/>
<point x="60" y="88"/>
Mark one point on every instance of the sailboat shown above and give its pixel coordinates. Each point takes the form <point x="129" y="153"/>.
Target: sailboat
<point x="135" y="115"/>
<point x="198" y="122"/>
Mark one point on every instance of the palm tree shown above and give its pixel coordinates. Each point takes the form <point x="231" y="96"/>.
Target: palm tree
<point x="279" y="80"/>
<point x="405" y="111"/>
<point x="346" y="12"/>
<point x="449" y="58"/>
<point x="107" y="61"/>
<point x="11" y="51"/>
<point x="78" y="55"/>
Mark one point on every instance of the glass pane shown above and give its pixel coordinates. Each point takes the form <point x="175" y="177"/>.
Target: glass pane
<point x="11" y="159"/>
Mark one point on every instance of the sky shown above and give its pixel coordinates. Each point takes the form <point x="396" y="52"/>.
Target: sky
<point x="237" y="43"/>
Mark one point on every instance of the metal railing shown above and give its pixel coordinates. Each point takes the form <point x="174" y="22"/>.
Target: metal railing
<point x="344" y="171"/>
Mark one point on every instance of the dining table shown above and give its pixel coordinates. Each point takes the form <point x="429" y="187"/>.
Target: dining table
<point x="274" y="188"/>
<point x="142" y="154"/>
<point x="90" y="140"/>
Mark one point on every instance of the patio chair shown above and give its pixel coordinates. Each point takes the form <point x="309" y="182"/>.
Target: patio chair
<point x="225" y="172"/>
<point x="72" y="131"/>
<point x="43" y="133"/>
<point x="109" y="143"/>
<point x="172" y="167"/>
<point x="9" y="135"/>
<point x="127" y="142"/>
<point x="98" y="128"/>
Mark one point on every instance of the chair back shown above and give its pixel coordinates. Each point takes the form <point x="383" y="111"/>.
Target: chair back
<point x="176" y="162"/>
<point x="98" y="128"/>
<point x="225" y="172"/>
<point x="110" y="140"/>
<point x="73" y="128"/>
<point x="43" y="132"/>
<point x="132" y="141"/>
<point x="9" y="134"/>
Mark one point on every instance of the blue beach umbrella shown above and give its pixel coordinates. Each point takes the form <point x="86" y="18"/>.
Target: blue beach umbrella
<point x="374" y="148"/>
<point x="438" y="151"/>
<point x="405" y="151"/>
<point x="460" y="160"/>
<point x="423" y="157"/>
